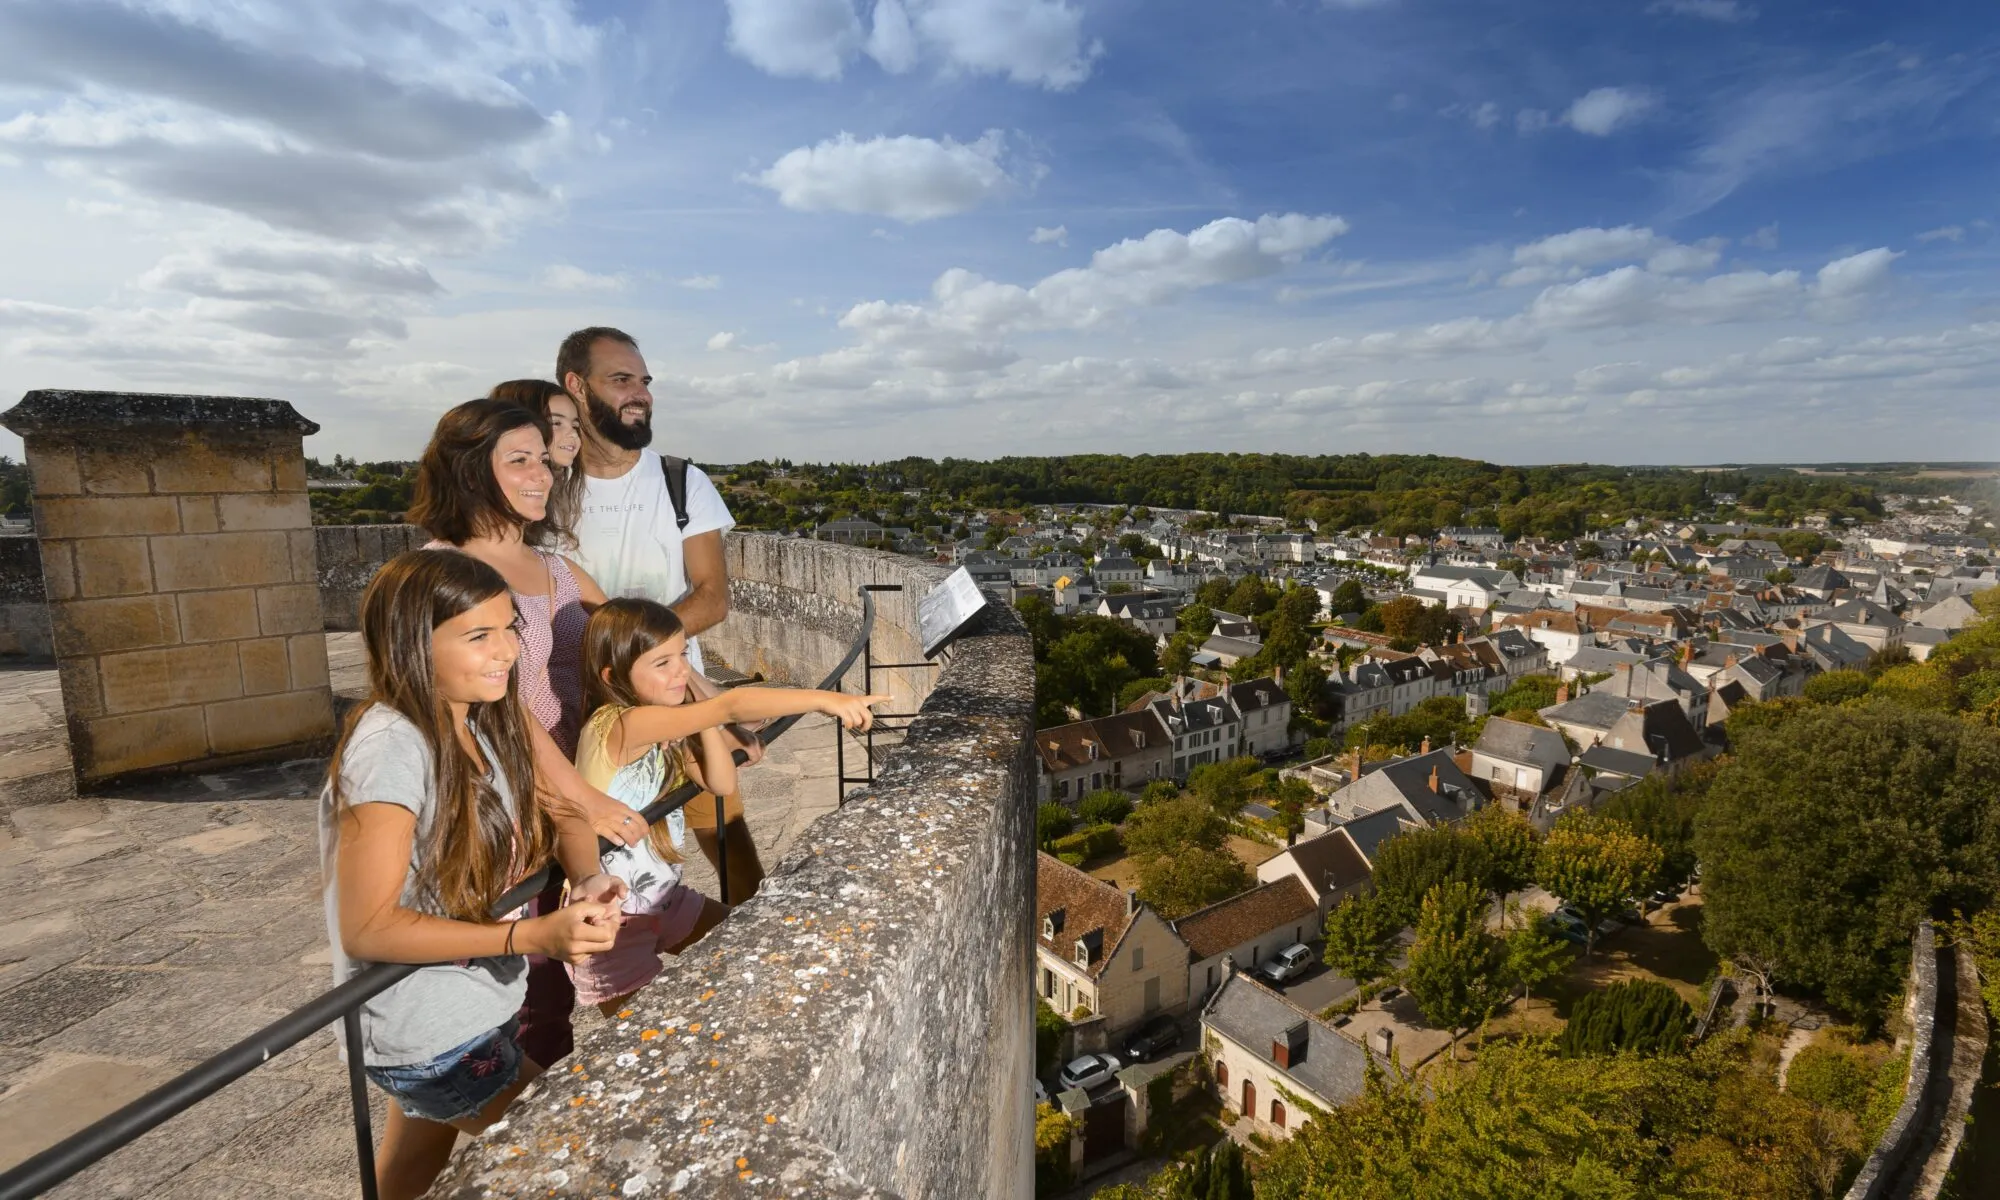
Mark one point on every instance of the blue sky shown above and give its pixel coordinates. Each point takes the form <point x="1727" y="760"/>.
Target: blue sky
<point x="1645" y="231"/>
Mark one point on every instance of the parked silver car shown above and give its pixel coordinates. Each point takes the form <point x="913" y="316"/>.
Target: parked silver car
<point x="1089" y="1071"/>
<point x="1288" y="963"/>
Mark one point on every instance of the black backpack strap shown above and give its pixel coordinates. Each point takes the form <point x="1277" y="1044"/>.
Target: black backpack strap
<point x="676" y="470"/>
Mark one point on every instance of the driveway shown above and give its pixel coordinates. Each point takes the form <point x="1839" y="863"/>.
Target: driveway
<point x="1318" y="987"/>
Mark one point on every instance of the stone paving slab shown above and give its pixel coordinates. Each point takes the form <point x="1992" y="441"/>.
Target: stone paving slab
<point x="156" y="924"/>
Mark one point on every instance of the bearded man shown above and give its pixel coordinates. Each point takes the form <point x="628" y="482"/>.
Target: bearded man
<point x="637" y="537"/>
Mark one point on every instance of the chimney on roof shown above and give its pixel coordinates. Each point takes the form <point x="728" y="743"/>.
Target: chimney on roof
<point x="1791" y="637"/>
<point x="1381" y="1040"/>
<point x="1434" y="780"/>
<point x="1687" y="653"/>
<point x="1729" y="662"/>
<point x="1426" y="747"/>
<point x="1131" y="901"/>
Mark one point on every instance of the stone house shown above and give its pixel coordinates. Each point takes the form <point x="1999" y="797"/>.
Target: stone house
<point x="1124" y="751"/>
<point x="1157" y="615"/>
<point x="1103" y="950"/>
<point x="1273" y="1062"/>
<point x="1250" y="927"/>
<point x="1527" y="759"/>
<point x="1430" y="787"/>
<point x="1264" y="716"/>
<point x="1330" y="867"/>
<point x="1203" y="728"/>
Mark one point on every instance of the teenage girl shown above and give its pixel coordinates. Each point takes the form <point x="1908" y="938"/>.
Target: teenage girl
<point x="430" y="813"/>
<point x="647" y="735"/>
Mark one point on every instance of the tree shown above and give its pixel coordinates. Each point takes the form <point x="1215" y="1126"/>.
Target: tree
<point x="1828" y="835"/>
<point x="1531" y="692"/>
<point x="1596" y="863"/>
<point x="1349" y="597"/>
<point x="1361" y="938"/>
<point x="1131" y="692"/>
<point x="1836" y="687"/>
<point x="1510" y="847"/>
<point x="1455" y="968"/>
<point x="1226" y="786"/>
<point x="1214" y="593"/>
<point x="1642" y="1016"/>
<point x="1197" y="620"/>
<point x="1531" y="955"/>
<point x="1104" y="808"/>
<point x="1168" y="826"/>
<point x="1305" y="687"/>
<point x="1291" y="798"/>
<point x="1663" y="809"/>
<point x="1227" y="1176"/>
<point x="1250" y="597"/>
<point x="1409" y="865"/>
<point x="1196" y="877"/>
<point x="1053" y="1132"/>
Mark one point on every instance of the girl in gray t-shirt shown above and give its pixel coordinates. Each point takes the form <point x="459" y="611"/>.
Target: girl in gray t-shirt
<point x="430" y="813"/>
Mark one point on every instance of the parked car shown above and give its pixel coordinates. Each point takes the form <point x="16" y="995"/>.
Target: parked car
<point x="1664" y="897"/>
<point x="1287" y="963"/>
<point x="1088" y="1071"/>
<point x="1156" y="1036"/>
<point x="1388" y="993"/>
<point x="1569" y="931"/>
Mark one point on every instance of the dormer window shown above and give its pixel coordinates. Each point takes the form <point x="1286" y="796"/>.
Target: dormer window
<point x="1052" y="924"/>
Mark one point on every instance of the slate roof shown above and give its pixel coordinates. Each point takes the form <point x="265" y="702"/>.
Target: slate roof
<point x="1406" y="781"/>
<point x="1660" y="728"/>
<point x="1371" y="831"/>
<point x="1617" y="762"/>
<point x="1088" y="905"/>
<point x="1065" y="747"/>
<point x="1331" y="860"/>
<point x="1520" y="742"/>
<point x="1254" y="694"/>
<point x="1592" y="710"/>
<point x="1239" y="919"/>
<point x="1333" y="1069"/>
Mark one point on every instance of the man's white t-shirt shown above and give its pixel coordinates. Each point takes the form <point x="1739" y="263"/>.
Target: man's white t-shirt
<point x="627" y="538"/>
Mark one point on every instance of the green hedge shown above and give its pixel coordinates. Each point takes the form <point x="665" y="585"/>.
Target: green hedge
<point x="1092" y="841"/>
<point x="1641" y="1015"/>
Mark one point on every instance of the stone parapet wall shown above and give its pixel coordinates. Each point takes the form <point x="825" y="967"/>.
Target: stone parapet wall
<point x="862" y="1025"/>
<point x="24" y="605"/>
<point x="348" y="557"/>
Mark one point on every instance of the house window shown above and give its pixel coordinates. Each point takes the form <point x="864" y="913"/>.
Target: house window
<point x="1138" y="958"/>
<point x="1221" y="1074"/>
<point x="1096" y="780"/>
<point x="1062" y="790"/>
<point x="1278" y="1113"/>
<point x="1249" y="1098"/>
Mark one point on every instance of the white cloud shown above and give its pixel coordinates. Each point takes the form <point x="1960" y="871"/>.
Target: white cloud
<point x="1530" y="120"/>
<point x="907" y="178"/>
<point x="1036" y="42"/>
<point x="1765" y="238"/>
<point x="1042" y="237"/>
<point x="1600" y="111"/>
<point x="1686" y="260"/>
<point x="722" y="341"/>
<point x="1565" y="255"/>
<point x="809" y="38"/>
<point x="1947" y="233"/>
<point x="700" y="283"/>
<point x="1728" y="12"/>
<point x="565" y="278"/>
<point x="27" y="314"/>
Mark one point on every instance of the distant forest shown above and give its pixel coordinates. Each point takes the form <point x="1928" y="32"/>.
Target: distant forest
<point x="1395" y="493"/>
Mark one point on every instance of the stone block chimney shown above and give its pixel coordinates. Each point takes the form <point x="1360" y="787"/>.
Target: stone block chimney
<point x="178" y="553"/>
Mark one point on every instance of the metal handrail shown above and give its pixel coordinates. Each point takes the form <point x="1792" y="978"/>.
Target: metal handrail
<point x="339" y="1005"/>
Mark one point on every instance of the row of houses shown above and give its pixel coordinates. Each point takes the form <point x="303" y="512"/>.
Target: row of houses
<point x="1163" y="736"/>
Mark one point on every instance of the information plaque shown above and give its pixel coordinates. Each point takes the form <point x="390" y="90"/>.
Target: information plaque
<point x="942" y="613"/>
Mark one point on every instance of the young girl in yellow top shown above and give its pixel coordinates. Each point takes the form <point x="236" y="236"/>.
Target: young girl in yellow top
<point x="643" y="739"/>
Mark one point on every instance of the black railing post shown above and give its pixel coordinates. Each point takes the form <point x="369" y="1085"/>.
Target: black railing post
<point x="357" y="1088"/>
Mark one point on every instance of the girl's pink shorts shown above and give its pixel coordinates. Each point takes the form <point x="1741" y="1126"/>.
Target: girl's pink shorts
<point x="634" y="959"/>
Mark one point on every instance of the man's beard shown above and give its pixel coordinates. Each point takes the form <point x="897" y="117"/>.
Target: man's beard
<point x="605" y="417"/>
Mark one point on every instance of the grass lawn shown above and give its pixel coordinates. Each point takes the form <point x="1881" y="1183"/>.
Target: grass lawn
<point x="1253" y="853"/>
<point x="1119" y="871"/>
<point x="1668" y="948"/>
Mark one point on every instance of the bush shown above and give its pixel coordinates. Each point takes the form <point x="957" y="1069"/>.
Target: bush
<point x="1053" y="820"/>
<point x="1837" y="687"/>
<point x="1320" y="747"/>
<point x="1092" y="841"/>
<point x="1104" y="808"/>
<point x="1640" y="1015"/>
<point x="1159" y="789"/>
<point x="1053" y="1131"/>
<point x="1050" y="1030"/>
<point x="1831" y="1078"/>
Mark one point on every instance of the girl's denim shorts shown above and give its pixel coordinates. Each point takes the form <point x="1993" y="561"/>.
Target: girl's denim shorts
<point x="458" y="1083"/>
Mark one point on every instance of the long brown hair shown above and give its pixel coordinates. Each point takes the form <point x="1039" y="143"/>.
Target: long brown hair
<point x="476" y="849"/>
<point x="457" y="498"/>
<point x="620" y="633"/>
<point x="558" y="529"/>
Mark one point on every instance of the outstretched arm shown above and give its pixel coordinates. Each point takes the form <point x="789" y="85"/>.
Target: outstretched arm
<point x="560" y="777"/>
<point x="651" y="723"/>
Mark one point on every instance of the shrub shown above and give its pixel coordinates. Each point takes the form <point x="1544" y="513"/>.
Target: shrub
<point x="1092" y="841"/>
<point x="1831" y="1078"/>
<point x="1640" y="1015"/>
<point x="1836" y="687"/>
<point x="1053" y="820"/>
<point x="1104" y="808"/>
<point x="1050" y="1030"/>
